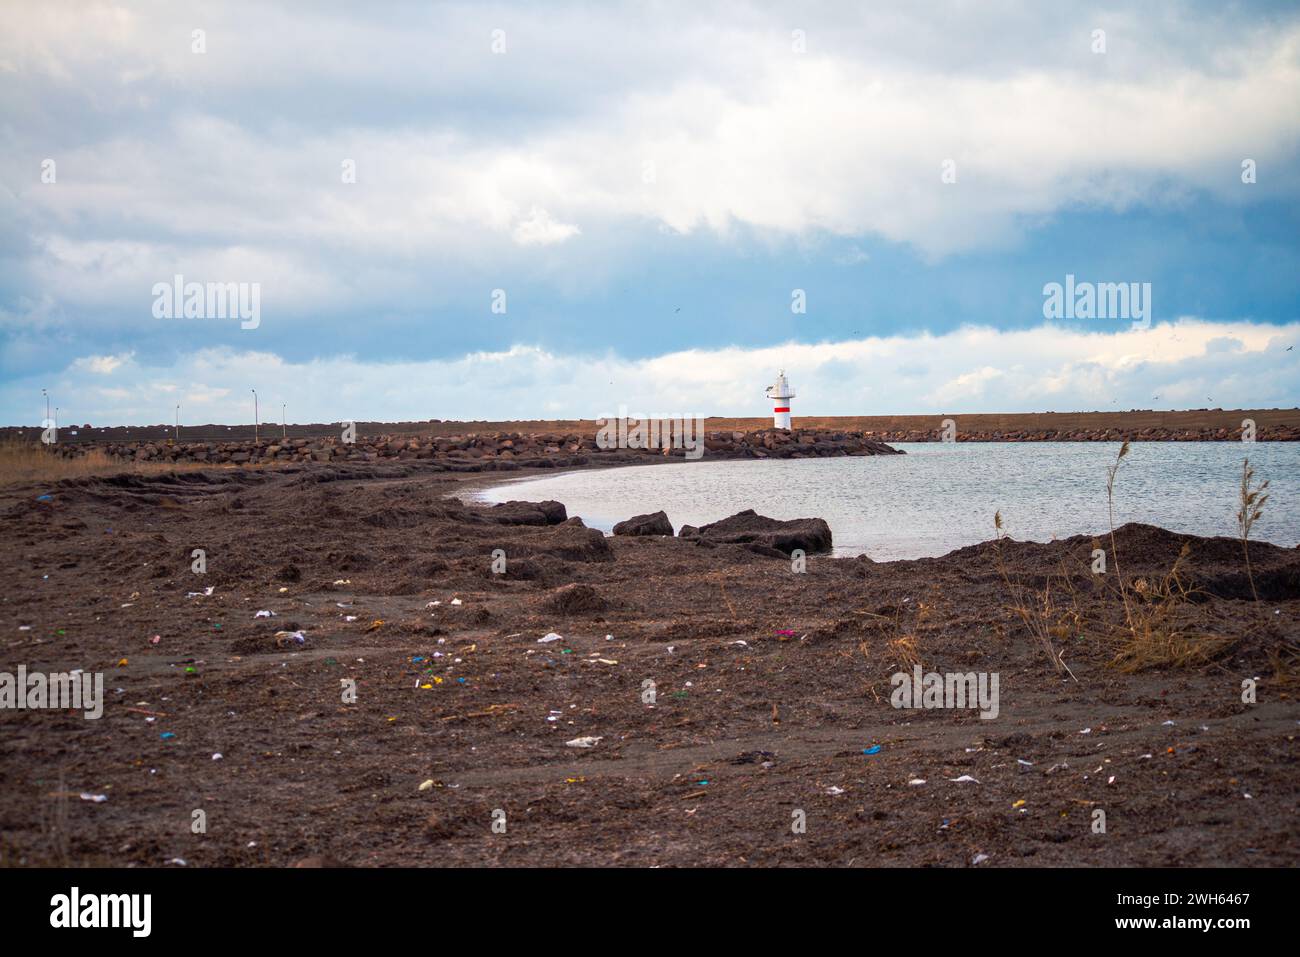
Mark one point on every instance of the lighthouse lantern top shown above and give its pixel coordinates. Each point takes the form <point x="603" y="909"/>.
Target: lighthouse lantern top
<point x="781" y="388"/>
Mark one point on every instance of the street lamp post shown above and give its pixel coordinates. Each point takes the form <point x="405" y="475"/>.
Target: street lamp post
<point x="254" y="391"/>
<point x="178" y="421"/>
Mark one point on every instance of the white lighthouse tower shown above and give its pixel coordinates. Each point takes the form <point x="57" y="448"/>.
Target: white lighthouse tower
<point x="780" y="394"/>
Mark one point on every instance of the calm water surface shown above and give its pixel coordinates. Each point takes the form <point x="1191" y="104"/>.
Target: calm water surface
<point x="941" y="496"/>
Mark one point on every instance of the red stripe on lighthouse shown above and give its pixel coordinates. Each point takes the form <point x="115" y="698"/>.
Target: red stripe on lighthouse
<point x="780" y="409"/>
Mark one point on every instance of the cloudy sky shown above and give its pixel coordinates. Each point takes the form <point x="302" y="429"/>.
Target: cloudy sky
<point x="646" y="193"/>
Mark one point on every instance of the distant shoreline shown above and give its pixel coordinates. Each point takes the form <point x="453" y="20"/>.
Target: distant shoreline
<point x="1189" y="425"/>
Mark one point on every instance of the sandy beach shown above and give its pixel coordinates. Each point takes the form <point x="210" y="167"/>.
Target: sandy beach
<point x="771" y="689"/>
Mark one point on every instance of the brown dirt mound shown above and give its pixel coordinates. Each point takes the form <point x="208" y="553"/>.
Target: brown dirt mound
<point x="577" y="599"/>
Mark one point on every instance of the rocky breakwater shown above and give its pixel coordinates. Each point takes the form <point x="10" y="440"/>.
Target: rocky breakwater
<point x="795" y="444"/>
<point x="478" y="452"/>
<point x="1276" y="433"/>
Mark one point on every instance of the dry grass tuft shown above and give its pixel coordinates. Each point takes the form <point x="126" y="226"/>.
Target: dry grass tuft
<point x="1039" y="611"/>
<point x="1159" y="616"/>
<point x="1252" y="501"/>
<point x="32" y="462"/>
<point x="904" y="649"/>
<point x="1159" y="625"/>
<point x="1284" y="662"/>
<point x="1163" y="623"/>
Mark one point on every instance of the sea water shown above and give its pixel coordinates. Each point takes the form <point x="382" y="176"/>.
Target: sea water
<point x="942" y="496"/>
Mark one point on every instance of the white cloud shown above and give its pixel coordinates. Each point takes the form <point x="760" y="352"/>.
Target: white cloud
<point x="969" y="370"/>
<point x="848" y="138"/>
<point x="540" y="229"/>
<point x="965" y="387"/>
<point x="225" y="166"/>
<point x="101" y="365"/>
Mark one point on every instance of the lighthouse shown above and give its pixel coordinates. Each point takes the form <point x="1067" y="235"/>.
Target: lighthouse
<point x="780" y="394"/>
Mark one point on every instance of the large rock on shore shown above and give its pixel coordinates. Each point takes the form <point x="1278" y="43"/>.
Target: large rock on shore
<point x="529" y="513"/>
<point x="655" y="523"/>
<point x="749" y="528"/>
